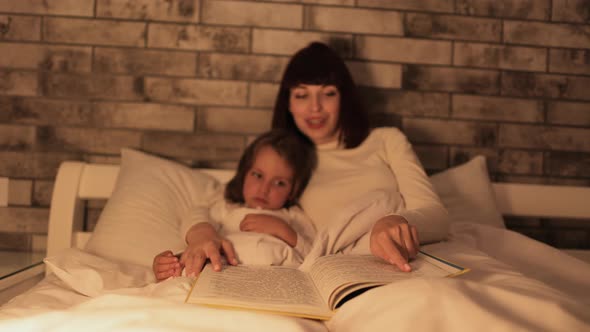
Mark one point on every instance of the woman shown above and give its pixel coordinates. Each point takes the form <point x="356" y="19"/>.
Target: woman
<point x="318" y="99"/>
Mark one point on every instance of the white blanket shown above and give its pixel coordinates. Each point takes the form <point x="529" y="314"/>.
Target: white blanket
<point x="515" y="283"/>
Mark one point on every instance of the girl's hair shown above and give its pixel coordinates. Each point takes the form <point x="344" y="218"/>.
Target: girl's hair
<point x="318" y="64"/>
<point x="298" y="152"/>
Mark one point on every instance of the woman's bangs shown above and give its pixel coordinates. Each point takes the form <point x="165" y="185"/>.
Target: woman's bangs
<point x="312" y="73"/>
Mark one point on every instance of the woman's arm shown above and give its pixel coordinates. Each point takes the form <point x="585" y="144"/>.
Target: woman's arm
<point x="423" y="208"/>
<point x="396" y="238"/>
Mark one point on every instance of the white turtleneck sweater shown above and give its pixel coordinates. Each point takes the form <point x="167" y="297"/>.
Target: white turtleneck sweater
<point x="386" y="163"/>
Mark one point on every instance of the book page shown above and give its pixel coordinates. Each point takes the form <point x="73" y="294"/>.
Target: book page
<point x="271" y="288"/>
<point x="338" y="275"/>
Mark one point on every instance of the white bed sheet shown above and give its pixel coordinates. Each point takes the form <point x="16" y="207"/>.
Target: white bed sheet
<point x="515" y="283"/>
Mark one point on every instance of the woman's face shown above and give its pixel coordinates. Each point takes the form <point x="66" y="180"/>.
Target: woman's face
<point x="316" y="109"/>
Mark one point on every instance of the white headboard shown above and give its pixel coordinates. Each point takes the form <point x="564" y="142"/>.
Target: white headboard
<point x="79" y="181"/>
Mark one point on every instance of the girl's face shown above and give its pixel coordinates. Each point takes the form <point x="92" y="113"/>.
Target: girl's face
<point x="316" y="109"/>
<point x="269" y="181"/>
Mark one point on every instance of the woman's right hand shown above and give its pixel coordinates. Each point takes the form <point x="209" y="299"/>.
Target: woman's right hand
<point x="204" y="243"/>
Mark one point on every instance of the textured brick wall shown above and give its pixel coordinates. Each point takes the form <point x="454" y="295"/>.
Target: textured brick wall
<point x="196" y="79"/>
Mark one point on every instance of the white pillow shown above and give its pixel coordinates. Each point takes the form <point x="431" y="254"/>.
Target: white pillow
<point x="467" y="193"/>
<point x="143" y="215"/>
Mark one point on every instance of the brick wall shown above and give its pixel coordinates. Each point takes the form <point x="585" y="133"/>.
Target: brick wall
<point x="195" y="79"/>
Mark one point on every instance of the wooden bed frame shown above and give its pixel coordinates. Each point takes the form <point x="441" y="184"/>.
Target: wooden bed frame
<point x="79" y="181"/>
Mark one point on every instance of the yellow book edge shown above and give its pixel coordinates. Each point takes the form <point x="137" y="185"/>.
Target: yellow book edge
<point x="463" y="270"/>
<point x="243" y="308"/>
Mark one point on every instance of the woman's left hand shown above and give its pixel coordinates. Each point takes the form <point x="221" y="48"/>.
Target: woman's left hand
<point x="395" y="241"/>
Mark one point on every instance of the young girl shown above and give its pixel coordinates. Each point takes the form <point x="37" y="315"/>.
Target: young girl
<point x="258" y="211"/>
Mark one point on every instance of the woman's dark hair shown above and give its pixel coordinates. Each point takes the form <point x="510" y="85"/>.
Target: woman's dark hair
<point x="298" y="152"/>
<point x="319" y="64"/>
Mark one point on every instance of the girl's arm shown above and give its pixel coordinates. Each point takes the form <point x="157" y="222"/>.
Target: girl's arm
<point x="271" y="225"/>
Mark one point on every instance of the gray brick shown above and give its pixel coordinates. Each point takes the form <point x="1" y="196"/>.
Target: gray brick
<point x="263" y="94"/>
<point x="355" y="20"/>
<point x="92" y="86"/>
<point x="39" y="242"/>
<point x="450" y="79"/>
<point x="18" y="83"/>
<point x="547" y="34"/>
<point x="46" y="164"/>
<point x="381" y="75"/>
<point x="577" y="11"/>
<point x="142" y="62"/>
<point x="525" y="9"/>
<point x="286" y="42"/>
<point x="520" y="162"/>
<point x="233" y="120"/>
<point x="252" y="14"/>
<point x="567" y="113"/>
<point x="198" y="147"/>
<point x="462" y="154"/>
<point x="143" y="116"/>
<point x="16" y="137"/>
<point x="42" y="191"/>
<point x="543" y="180"/>
<point x="384" y="120"/>
<point x="569" y="61"/>
<point x="40" y="111"/>
<point x="544" y="137"/>
<point x="498" y="109"/>
<point x="405" y="103"/>
<point x="545" y="85"/>
<point x="446" y="6"/>
<point x="152" y="10"/>
<point x="500" y="56"/>
<point x="453" y="27"/>
<point x="192" y="91"/>
<point x="432" y="157"/>
<point x="241" y="67"/>
<point x="17" y="164"/>
<point x="203" y="38"/>
<point x="94" y="32"/>
<point x="63" y="7"/>
<point x="24" y="220"/>
<point x="20" y="192"/>
<point x="568" y="164"/>
<point x="102" y="159"/>
<point x="325" y="2"/>
<point x="406" y="50"/>
<point x="20" y="28"/>
<point x="45" y="57"/>
<point x="15" y="241"/>
<point x="86" y="139"/>
<point x="450" y="132"/>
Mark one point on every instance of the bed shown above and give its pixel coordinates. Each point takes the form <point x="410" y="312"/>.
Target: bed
<point x="103" y="282"/>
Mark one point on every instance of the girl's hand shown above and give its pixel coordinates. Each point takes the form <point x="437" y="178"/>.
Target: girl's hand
<point x="271" y="225"/>
<point x="205" y="244"/>
<point x="166" y="265"/>
<point x="395" y="241"/>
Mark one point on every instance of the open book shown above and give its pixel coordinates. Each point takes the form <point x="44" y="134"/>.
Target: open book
<point x="316" y="294"/>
